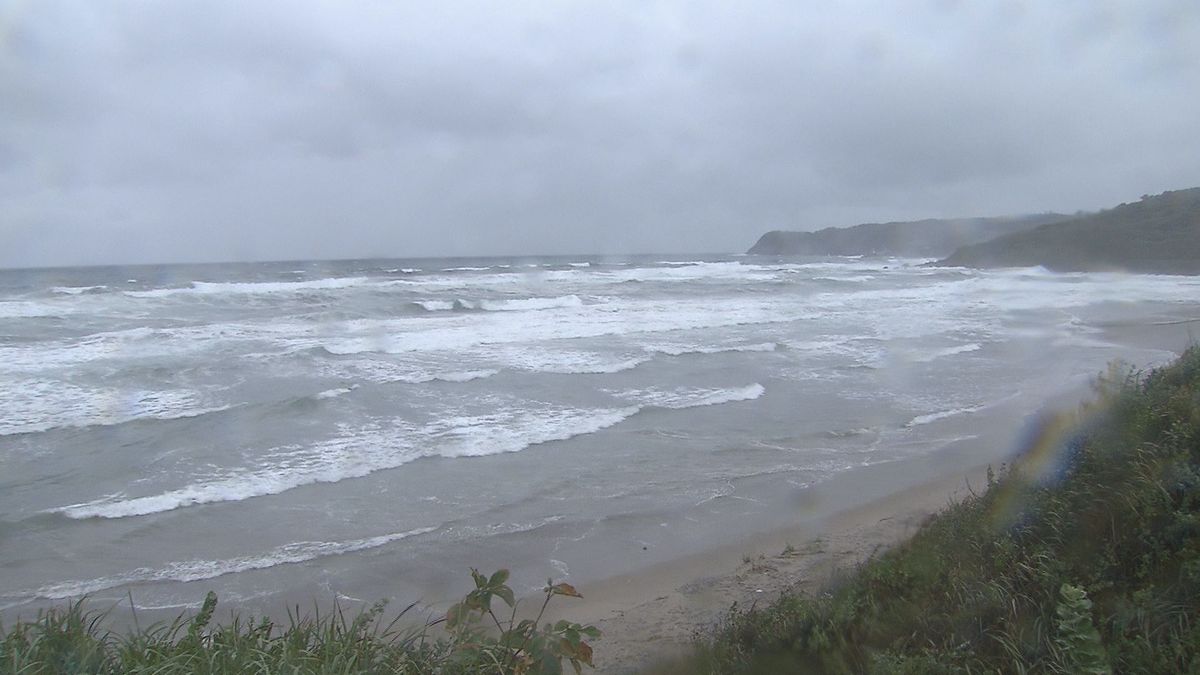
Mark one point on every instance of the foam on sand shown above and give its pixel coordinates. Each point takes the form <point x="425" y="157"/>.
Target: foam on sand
<point x="941" y="415"/>
<point x="199" y="570"/>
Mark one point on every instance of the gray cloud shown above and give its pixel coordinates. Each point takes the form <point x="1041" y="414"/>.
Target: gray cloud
<point x="218" y="130"/>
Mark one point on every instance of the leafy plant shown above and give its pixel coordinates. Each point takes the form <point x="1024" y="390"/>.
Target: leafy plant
<point x="518" y="647"/>
<point x="1078" y="639"/>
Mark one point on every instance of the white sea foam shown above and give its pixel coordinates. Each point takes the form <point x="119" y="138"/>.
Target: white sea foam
<point x="691" y="397"/>
<point x="459" y="376"/>
<point x="849" y="278"/>
<point x="512" y="431"/>
<point x="133" y="345"/>
<point x="682" y="272"/>
<point x="680" y="350"/>
<point x="361" y="452"/>
<point x="76" y="290"/>
<point x="561" y="569"/>
<point x="28" y="309"/>
<point x="610" y="317"/>
<point x="502" y="305"/>
<point x="949" y="351"/>
<point x="334" y="393"/>
<point x="35" y="405"/>
<point x="565" y="361"/>
<point x="943" y="414"/>
<point x="199" y="570"/>
<point x="386" y="372"/>
<point x="251" y="288"/>
<point x="527" y="304"/>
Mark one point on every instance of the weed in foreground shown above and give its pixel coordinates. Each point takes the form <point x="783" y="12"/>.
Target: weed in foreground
<point x="73" y="640"/>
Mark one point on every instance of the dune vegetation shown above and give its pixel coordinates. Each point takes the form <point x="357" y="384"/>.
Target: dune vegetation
<point x="470" y="638"/>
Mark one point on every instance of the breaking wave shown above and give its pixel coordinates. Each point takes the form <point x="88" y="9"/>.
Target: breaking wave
<point x="512" y="305"/>
<point x="251" y="288"/>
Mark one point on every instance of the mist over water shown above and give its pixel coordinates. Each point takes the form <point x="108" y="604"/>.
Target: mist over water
<point x="371" y="428"/>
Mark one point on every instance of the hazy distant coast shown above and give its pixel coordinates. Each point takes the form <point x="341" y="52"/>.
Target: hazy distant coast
<point x="1157" y="235"/>
<point x="916" y="239"/>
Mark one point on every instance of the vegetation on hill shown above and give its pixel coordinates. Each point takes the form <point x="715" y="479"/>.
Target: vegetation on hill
<point x="1159" y="234"/>
<point x="1084" y="558"/>
<point x="917" y="239"/>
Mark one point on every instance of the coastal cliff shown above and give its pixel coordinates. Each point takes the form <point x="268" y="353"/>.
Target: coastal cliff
<point x="918" y="239"/>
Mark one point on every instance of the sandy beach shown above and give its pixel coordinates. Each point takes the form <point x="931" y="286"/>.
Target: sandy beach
<point x="656" y="613"/>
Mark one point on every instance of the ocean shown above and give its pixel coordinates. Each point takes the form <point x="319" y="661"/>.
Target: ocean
<point x="355" y="430"/>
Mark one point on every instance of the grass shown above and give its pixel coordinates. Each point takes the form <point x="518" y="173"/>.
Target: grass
<point x="73" y="639"/>
<point x="1084" y="557"/>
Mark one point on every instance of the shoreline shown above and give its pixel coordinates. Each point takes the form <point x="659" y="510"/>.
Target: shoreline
<point x="656" y="613"/>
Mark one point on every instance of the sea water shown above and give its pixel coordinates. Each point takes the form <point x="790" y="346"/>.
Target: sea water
<point x="357" y="430"/>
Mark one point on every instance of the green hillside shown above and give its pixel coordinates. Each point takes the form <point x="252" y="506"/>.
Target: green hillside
<point x="1159" y="234"/>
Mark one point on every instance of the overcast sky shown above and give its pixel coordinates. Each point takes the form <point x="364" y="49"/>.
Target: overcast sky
<point x="179" y="130"/>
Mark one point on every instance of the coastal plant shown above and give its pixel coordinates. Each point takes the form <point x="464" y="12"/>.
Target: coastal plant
<point x="1080" y="649"/>
<point x="517" y="646"/>
<point x="74" y="640"/>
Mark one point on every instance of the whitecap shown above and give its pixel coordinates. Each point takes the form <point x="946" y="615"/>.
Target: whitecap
<point x="37" y="405"/>
<point x="566" y="362"/>
<point x="680" y="350"/>
<point x="502" y="305"/>
<point x="530" y="304"/>
<point x="25" y="309"/>
<point x="252" y="288"/>
<point x="691" y="397"/>
<point x="512" y="431"/>
<point x="458" y="376"/>
<point x="334" y="393"/>
<point x="361" y="452"/>
<point x="76" y="290"/>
